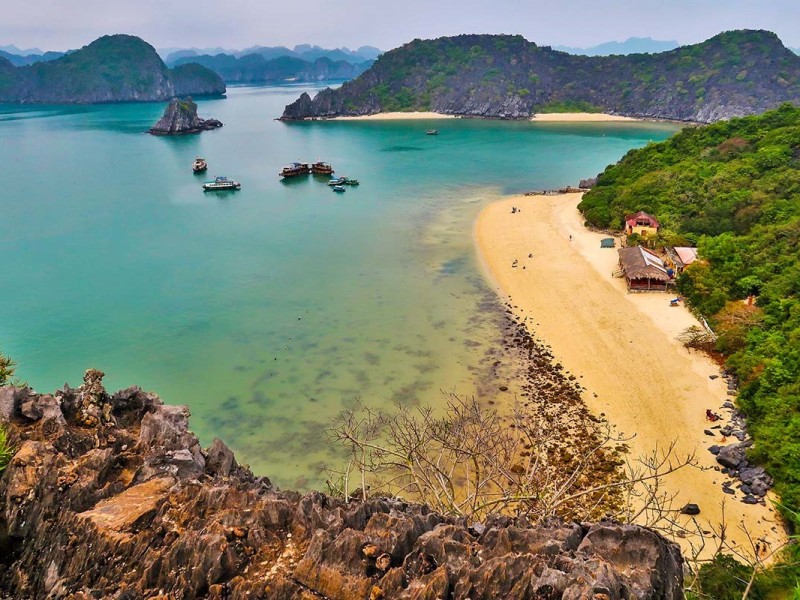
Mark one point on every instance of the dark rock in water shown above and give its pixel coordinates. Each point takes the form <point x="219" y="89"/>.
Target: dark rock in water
<point x="112" y="496"/>
<point x="585" y="184"/>
<point x="180" y="117"/>
<point x="690" y="509"/>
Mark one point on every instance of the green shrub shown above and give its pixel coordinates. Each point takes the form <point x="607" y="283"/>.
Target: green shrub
<point x="6" y="451"/>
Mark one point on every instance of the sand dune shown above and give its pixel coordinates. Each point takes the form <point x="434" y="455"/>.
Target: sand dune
<point x="621" y="346"/>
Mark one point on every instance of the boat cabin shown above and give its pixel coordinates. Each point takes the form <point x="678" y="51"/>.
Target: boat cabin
<point x="295" y="169"/>
<point x="321" y="168"/>
<point x="641" y="223"/>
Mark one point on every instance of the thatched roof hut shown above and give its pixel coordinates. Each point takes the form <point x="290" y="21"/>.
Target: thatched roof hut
<point x="643" y="270"/>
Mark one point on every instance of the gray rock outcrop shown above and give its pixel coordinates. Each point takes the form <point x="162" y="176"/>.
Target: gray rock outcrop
<point x="180" y="117"/>
<point x="112" y="496"/>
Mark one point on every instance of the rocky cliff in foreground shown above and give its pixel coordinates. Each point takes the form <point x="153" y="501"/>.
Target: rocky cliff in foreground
<point x="114" y="68"/>
<point x="180" y="117"/>
<point x="735" y="73"/>
<point x="111" y="496"/>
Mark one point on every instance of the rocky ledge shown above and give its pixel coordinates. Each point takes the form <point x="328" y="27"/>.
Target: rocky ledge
<point x="180" y="117"/>
<point x="112" y="496"/>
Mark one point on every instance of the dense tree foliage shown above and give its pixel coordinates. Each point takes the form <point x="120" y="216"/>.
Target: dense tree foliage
<point x="733" y="188"/>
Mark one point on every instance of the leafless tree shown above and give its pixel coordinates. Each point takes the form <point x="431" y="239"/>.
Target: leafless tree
<point x="471" y="461"/>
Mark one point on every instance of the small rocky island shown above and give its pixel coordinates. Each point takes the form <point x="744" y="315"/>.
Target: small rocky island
<point x="111" y="496"/>
<point x="180" y="117"/>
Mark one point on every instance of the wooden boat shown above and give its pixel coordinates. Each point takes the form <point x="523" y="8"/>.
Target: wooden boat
<point x="221" y="183"/>
<point x="295" y="169"/>
<point x="337" y="181"/>
<point x="200" y="165"/>
<point x="348" y="181"/>
<point x="432" y="132"/>
<point x="338" y="188"/>
<point x="321" y="168"/>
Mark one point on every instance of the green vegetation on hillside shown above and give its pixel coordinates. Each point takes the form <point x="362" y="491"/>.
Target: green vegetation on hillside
<point x="733" y="73"/>
<point x="110" y="69"/>
<point x="733" y="189"/>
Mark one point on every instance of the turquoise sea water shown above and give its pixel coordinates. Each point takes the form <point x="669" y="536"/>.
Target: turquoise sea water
<point x="267" y="310"/>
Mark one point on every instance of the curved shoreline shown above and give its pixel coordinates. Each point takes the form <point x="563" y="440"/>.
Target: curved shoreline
<point x="539" y="117"/>
<point x="621" y="346"/>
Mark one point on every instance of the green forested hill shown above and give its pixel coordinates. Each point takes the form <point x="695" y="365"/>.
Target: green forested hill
<point x="734" y="73"/>
<point x="734" y="189"/>
<point x="114" y="68"/>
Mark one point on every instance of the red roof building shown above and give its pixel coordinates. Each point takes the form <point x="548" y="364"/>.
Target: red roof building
<point x="641" y="223"/>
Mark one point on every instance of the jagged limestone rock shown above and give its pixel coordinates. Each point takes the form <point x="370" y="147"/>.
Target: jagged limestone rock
<point x="130" y="506"/>
<point x="180" y="117"/>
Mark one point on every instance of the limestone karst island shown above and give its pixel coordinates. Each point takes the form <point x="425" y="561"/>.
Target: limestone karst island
<point x="385" y="301"/>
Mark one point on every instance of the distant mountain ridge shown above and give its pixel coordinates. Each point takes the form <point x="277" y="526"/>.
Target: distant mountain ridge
<point x="116" y="68"/>
<point x="254" y="68"/>
<point x="732" y="74"/>
<point x="304" y="52"/>
<point x="633" y="45"/>
<point x="21" y="60"/>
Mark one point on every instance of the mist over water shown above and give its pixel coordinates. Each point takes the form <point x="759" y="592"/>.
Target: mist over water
<point x="269" y="310"/>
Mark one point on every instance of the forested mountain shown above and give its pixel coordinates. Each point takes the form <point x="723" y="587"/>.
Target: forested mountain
<point x="732" y="74"/>
<point x="111" y="69"/>
<point x="733" y="188"/>
<point x="256" y="68"/>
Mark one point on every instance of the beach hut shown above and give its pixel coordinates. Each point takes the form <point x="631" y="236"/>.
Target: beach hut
<point x="641" y="223"/>
<point x="643" y="270"/>
<point x="607" y="243"/>
<point x="680" y="257"/>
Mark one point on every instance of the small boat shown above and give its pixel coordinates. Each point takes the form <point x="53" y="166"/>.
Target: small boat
<point x="432" y="132"/>
<point x="348" y="181"/>
<point x="199" y="165"/>
<point x="220" y="184"/>
<point x="337" y="181"/>
<point x="338" y="188"/>
<point x="321" y="168"/>
<point x="295" y="169"/>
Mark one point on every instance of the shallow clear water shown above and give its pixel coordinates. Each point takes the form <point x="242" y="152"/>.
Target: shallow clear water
<point x="270" y="309"/>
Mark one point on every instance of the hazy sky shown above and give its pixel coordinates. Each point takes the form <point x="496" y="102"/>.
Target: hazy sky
<point x="62" y="24"/>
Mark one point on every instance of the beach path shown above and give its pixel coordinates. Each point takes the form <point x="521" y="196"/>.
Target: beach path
<point x="621" y="346"/>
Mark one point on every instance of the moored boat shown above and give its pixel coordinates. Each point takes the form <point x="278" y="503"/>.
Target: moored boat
<point x="221" y="183"/>
<point x="348" y="181"/>
<point x="432" y="132"/>
<point x="338" y="188"/>
<point x="199" y="165"/>
<point x="337" y="181"/>
<point x="321" y="168"/>
<point x="295" y="169"/>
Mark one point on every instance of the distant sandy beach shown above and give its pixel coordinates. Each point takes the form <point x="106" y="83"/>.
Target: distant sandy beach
<point x="541" y="118"/>
<point x="621" y="346"/>
<point x="397" y="116"/>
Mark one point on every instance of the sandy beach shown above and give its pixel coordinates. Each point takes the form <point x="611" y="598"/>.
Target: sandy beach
<point x="539" y="118"/>
<point x="621" y="346"/>
<point x="397" y="116"/>
<point x="578" y="118"/>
